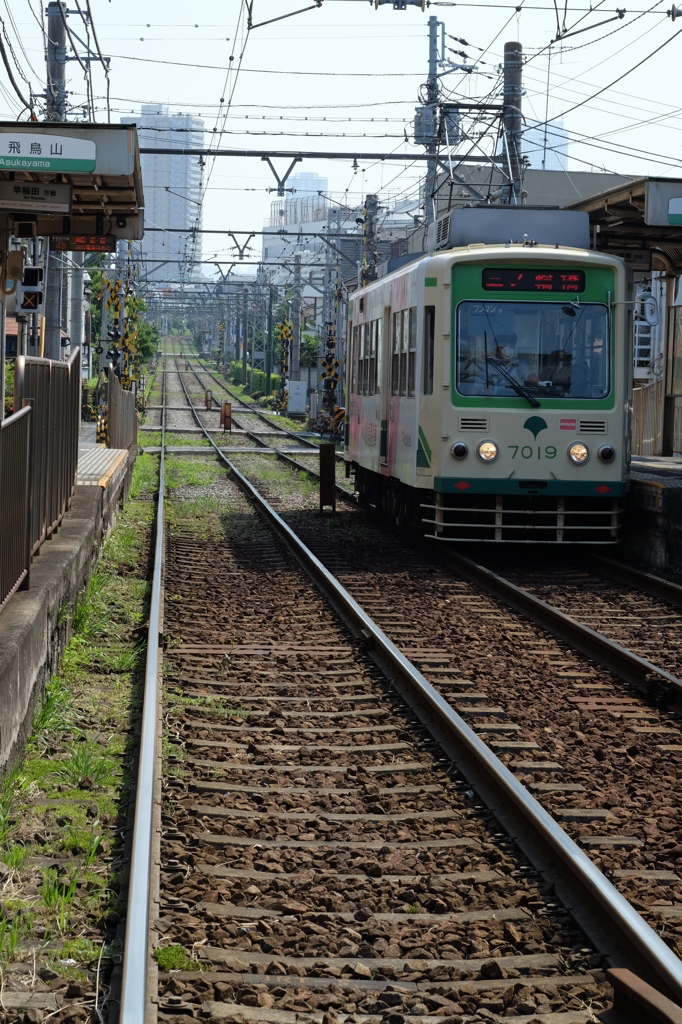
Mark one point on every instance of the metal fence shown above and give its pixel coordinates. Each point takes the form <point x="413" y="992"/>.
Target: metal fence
<point x="15" y="556"/>
<point x="52" y="390"/>
<point x="121" y="415"/>
<point x="647" y="420"/>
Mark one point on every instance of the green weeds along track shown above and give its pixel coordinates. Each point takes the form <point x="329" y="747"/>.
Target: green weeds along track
<point x="64" y="808"/>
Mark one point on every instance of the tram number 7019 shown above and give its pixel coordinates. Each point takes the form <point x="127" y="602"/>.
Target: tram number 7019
<point x="528" y="451"/>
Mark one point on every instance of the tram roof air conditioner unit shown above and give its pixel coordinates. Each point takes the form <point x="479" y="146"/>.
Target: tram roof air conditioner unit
<point x="499" y="225"/>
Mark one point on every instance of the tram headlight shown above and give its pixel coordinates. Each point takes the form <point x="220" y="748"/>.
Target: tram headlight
<point x="606" y="453"/>
<point x="487" y="451"/>
<point x="578" y="453"/>
<point x="459" y="450"/>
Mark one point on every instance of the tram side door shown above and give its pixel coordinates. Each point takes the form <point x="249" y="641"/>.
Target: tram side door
<point x="385" y="389"/>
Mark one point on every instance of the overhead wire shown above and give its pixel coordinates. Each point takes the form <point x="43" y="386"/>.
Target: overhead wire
<point x="619" y="79"/>
<point x="27" y="103"/>
<point x="20" y="41"/>
<point x="104" y="61"/>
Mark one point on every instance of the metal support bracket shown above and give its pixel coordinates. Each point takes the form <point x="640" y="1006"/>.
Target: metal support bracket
<point x="241" y="249"/>
<point x="281" y="182"/>
<point x="471" y="189"/>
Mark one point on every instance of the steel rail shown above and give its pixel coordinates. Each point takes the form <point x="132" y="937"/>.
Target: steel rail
<point x="253" y="412"/>
<point x="612" y="923"/>
<point x="655" y="586"/>
<point x="134" y="995"/>
<point x="643" y="674"/>
<point x="341" y="492"/>
<point x="290" y="433"/>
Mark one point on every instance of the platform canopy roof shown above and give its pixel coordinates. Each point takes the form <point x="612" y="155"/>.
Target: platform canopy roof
<point x="61" y="178"/>
<point x="638" y="219"/>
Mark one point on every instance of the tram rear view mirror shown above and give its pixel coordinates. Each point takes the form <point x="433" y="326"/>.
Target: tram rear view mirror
<point x="647" y="309"/>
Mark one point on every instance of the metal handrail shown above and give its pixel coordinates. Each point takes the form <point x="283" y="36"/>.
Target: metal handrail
<point x="52" y="389"/>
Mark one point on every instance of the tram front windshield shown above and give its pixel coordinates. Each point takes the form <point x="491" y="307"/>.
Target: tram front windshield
<point x="555" y="349"/>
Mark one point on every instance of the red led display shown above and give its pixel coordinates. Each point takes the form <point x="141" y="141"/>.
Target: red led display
<point x="83" y="243"/>
<point x="514" y="279"/>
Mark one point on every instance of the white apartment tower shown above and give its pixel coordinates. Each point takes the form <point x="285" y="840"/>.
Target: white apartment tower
<point x="172" y="190"/>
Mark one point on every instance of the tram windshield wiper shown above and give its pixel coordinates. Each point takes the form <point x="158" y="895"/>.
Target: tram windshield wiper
<point x="518" y="388"/>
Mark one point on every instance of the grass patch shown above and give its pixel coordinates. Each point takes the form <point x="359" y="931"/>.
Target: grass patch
<point x="284" y="476"/>
<point x="219" y="705"/>
<point x="145" y="476"/>
<point x="190" y="472"/>
<point x="91" y="615"/>
<point x="85" y="767"/>
<point x="67" y="800"/>
<point x="85" y="951"/>
<point x="175" y="958"/>
<point x="202" y="514"/>
<point x="152" y="439"/>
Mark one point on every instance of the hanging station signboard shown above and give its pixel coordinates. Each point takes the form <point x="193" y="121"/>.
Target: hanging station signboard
<point x="30" y="151"/>
<point x="34" y="197"/>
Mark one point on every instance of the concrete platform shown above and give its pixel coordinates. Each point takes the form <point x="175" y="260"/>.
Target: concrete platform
<point x="101" y="467"/>
<point x="653" y="534"/>
<point x="33" y="628"/>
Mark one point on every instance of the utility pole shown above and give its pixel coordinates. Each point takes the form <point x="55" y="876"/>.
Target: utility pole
<point x="512" y="118"/>
<point x="76" y="312"/>
<point x="55" y="111"/>
<point x="431" y="115"/>
<point x="269" y="341"/>
<point x="294" y="366"/>
<point x="370" y="239"/>
<point x="245" y="332"/>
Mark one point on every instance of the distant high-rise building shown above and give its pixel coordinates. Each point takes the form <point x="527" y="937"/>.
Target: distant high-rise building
<point x="545" y="145"/>
<point x="172" y="189"/>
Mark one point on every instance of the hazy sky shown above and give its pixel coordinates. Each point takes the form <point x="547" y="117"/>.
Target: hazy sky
<point x="346" y="77"/>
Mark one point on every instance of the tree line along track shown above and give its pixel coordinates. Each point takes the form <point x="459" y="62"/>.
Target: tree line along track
<point x="346" y="832"/>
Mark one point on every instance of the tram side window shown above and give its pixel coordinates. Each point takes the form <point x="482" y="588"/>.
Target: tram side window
<point x="354" y="361"/>
<point x="369" y="338"/>
<point x="396" y="343"/>
<point x="429" y="334"/>
<point x="404" y="352"/>
<point x="361" y="359"/>
<point x="372" y="358"/>
<point x="411" y="350"/>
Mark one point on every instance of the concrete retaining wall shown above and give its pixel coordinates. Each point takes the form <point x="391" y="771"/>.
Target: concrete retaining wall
<point x="653" y="534"/>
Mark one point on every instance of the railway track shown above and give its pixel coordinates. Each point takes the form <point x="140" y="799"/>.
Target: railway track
<point x="321" y="857"/>
<point x="630" y="607"/>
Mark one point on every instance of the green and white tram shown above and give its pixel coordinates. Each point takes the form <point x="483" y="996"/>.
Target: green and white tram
<point x="489" y="385"/>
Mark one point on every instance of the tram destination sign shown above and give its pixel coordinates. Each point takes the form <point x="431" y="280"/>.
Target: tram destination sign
<point x="83" y="243"/>
<point x="518" y="279"/>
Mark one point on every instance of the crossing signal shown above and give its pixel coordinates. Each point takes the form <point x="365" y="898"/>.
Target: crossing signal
<point x="30" y="290"/>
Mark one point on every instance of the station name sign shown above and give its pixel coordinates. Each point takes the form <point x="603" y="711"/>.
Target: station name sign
<point x="83" y="243"/>
<point x="31" y="151"/>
